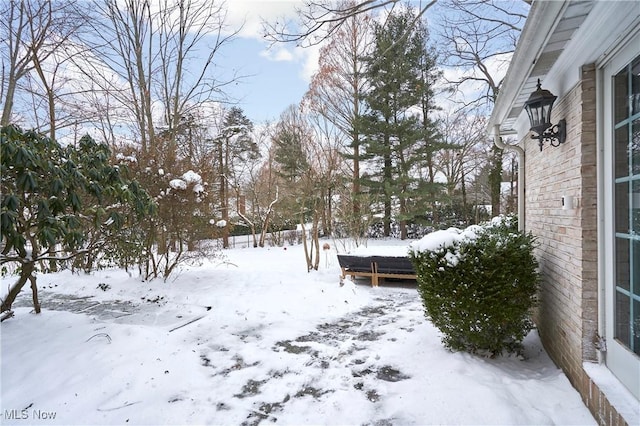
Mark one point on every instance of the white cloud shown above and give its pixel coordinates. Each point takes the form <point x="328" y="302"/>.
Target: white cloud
<point x="305" y="57"/>
<point x="250" y="14"/>
<point x="279" y="54"/>
<point x="311" y="56"/>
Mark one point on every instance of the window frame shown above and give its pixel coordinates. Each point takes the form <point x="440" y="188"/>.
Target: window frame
<point x="622" y="362"/>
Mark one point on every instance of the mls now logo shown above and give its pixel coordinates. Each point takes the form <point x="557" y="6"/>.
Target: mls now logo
<point x="26" y="414"/>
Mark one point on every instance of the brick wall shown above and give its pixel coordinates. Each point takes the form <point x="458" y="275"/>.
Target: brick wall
<point x="596" y="400"/>
<point x="567" y="317"/>
<point x="567" y="252"/>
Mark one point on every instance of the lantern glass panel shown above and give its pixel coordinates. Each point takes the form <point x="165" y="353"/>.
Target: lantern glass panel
<point x="546" y="114"/>
<point x="534" y="115"/>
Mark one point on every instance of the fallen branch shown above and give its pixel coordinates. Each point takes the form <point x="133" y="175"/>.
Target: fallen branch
<point x="126" y="404"/>
<point x="100" y="335"/>
<point x="6" y="315"/>
<point x="187" y="323"/>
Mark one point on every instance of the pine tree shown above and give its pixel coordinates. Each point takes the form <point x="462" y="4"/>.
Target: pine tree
<point x="235" y="144"/>
<point x="288" y="145"/>
<point x="401" y="72"/>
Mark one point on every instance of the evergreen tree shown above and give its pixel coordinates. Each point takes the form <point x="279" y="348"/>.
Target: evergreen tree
<point x="60" y="203"/>
<point x="431" y="192"/>
<point x="235" y="144"/>
<point x="288" y="145"/>
<point x="399" y="131"/>
<point x="237" y="130"/>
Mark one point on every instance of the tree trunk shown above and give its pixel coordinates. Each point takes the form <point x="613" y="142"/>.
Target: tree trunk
<point x="495" y="179"/>
<point x="403" y="222"/>
<point x="316" y="242"/>
<point x="432" y="192"/>
<point x="465" y="216"/>
<point x="253" y="235"/>
<point x="267" y="217"/>
<point x="222" y="195"/>
<point x="225" y="200"/>
<point x="34" y="294"/>
<point x="252" y="226"/>
<point x="329" y="210"/>
<point x="404" y="210"/>
<point x="265" y="225"/>
<point x="356" y="176"/>
<point x="304" y="244"/>
<point x="8" y="103"/>
<point x="387" y="191"/>
<point x="25" y="274"/>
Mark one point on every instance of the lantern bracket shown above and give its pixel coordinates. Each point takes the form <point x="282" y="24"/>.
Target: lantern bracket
<point x="555" y="134"/>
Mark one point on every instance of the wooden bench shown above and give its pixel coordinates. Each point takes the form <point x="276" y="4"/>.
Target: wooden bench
<point x="376" y="267"/>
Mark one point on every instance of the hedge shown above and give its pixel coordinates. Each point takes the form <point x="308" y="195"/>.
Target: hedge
<point x="478" y="285"/>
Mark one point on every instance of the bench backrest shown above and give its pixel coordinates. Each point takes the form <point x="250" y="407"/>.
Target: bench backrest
<point x="355" y="263"/>
<point x="394" y="265"/>
<point x="386" y="264"/>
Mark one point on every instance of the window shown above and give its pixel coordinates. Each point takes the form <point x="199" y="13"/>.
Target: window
<point x="619" y="207"/>
<point x="626" y="133"/>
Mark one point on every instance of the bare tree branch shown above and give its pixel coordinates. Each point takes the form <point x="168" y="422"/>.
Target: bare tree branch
<point x="320" y="19"/>
<point x="478" y="35"/>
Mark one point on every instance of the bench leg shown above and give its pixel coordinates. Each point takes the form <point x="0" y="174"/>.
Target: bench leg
<point x="374" y="277"/>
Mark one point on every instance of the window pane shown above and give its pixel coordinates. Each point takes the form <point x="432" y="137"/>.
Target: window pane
<point x="623" y="267"/>
<point x="621" y="96"/>
<point x="635" y="207"/>
<point x="636" y="326"/>
<point x="622" y="152"/>
<point x="636" y="271"/>
<point x="622" y="207"/>
<point x="635" y="146"/>
<point x="622" y="318"/>
<point x="636" y="268"/>
<point x="635" y="89"/>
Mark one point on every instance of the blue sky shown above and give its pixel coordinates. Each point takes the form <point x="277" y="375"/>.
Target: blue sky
<point x="279" y="75"/>
<point x="269" y="85"/>
<point x="275" y="76"/>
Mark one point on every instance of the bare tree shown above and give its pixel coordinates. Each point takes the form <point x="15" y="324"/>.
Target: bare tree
<point x="464" y="161"/>
<point x="337" y="89"/>
<point x="326" y="156"/>
<point x="153" y="53"/>
<point x="245" y="181"/>
<point x="266" y="196"/>
<point x="33" y="34"/>
<point x="316" y="187"/>
<point x="480" y="36"/>
<point x="305" y="156"/>
<point x="319" y="19"/>
<point x="257" y="191"/>
<point x="147" y="63"/>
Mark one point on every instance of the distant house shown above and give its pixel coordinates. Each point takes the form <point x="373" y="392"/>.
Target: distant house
<point x="581" y="198"/>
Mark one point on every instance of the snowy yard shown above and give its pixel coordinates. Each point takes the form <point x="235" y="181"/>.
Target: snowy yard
<point x="257" y="340"/>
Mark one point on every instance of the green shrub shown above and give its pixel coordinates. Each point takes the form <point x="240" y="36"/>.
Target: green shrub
<point x="478" y="285"/>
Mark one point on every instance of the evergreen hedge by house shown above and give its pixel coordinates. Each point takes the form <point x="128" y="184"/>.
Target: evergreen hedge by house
<point x="478" y="286"/>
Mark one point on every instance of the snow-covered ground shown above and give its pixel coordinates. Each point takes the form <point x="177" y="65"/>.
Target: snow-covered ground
<point x="257" y="339"/>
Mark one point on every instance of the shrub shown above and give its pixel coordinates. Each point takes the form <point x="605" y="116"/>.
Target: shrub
<point x="478" y="285"/>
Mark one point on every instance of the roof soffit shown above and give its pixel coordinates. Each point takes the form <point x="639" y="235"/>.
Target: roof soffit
<point x="549" y="27"/>
<point x="542" y="18"/>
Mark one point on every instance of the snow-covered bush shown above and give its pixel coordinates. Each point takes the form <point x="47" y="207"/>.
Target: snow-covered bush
<point x="478" y="285"/>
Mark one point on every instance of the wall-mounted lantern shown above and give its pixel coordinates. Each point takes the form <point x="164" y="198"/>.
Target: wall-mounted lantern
<point x="538" y="107"/>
